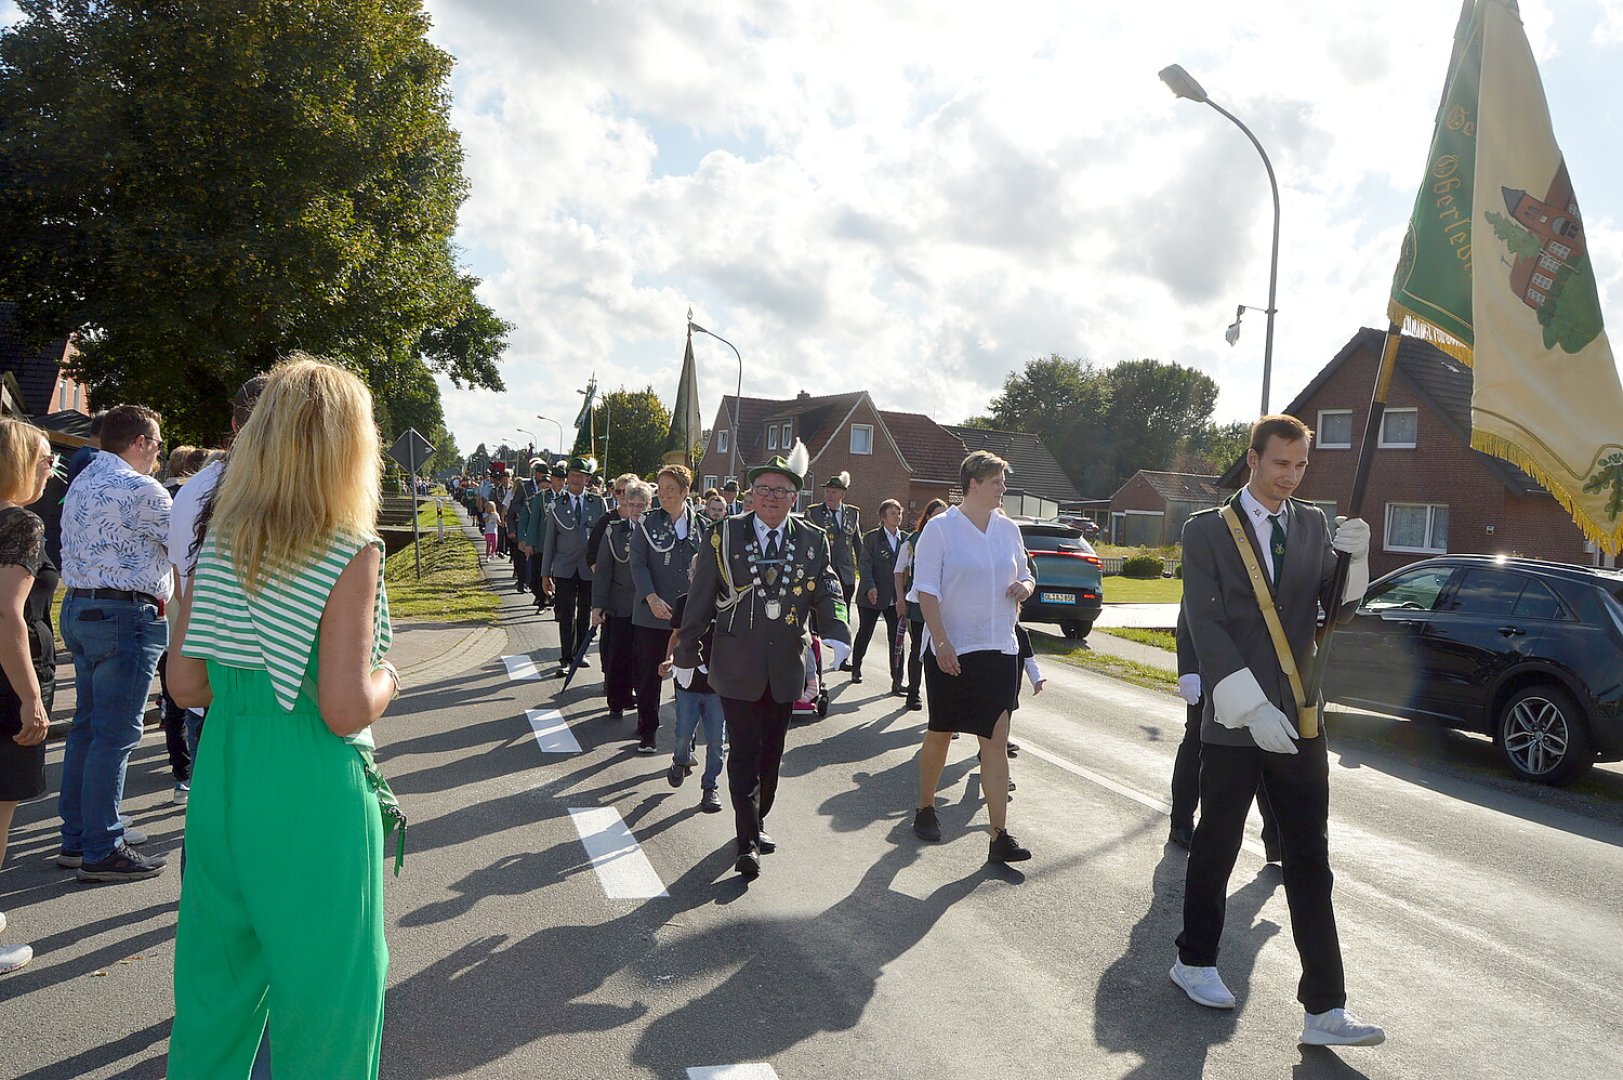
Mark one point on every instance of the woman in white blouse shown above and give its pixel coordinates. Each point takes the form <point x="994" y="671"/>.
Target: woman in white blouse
<point x="970" y="576"/>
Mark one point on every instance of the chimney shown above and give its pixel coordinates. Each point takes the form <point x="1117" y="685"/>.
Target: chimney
<point x="803" y="396"/>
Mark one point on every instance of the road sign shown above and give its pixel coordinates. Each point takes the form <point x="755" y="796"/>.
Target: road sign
<point x="411" y="450"/>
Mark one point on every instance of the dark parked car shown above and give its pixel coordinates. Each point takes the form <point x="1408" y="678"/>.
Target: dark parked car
<point x="1087" y="526"/>
<point x="1529" y="653"/>
<point x="1069" y="578"/>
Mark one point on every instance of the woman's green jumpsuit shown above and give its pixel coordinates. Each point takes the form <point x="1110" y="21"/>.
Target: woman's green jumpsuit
<point x="281" y="909"/>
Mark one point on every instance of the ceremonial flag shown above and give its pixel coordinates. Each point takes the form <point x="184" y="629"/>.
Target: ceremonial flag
<point x="1495" y="270"/>
<point x="686" y="421"/>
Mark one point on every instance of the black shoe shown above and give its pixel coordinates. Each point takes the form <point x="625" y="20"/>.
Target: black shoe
<point x="518" y="586"/>
<point x="585" y="663"/>
<point x="896" y="688"/>
<point x="748" y="864"/>
<point x="765" y="843"/>
<point x="124" y="864"/>
<point x="915" y="705"/>
<point x="710" y="801"/>
<point x="1006" y="849"/>
<point x="1181" y="835"/>
<point x="926" y="824"/>
<point x="844" y="666"/>
<point x="616" y="714"/>
<point x="563" y="669"/>
<point x="856" y="676"/>
<point x="1014" y="749"/>
<point x="677" y="773"/>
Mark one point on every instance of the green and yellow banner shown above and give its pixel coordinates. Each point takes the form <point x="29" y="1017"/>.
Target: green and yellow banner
<point x="1495" y="270"/>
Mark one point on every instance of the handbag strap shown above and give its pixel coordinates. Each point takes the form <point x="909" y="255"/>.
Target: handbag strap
<point x="1307" y="718"/>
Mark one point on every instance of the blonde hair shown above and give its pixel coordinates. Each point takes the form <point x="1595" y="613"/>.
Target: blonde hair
<point x="304" y="469"/>
<point x="19" y="453"/>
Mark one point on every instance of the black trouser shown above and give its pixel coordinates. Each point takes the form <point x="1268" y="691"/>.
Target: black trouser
<point x="755" y="734"/>
<point x="1299" y="786"/>
<point x="648" y="647"/>
<point x="867" y="619"/>
<point x="521" y="565"/>
<point x="915" y="662"/>
<point x="619" y="667"/>
<point x="172" y="719"/>
<point x="1186" y="783"/>
<point x="573" y="601"/>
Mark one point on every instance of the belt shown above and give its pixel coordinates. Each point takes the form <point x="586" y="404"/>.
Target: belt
<point x="116" y="594"/>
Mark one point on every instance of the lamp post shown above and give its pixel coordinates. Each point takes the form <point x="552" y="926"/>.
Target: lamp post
<point x="1181" y="83"/>
<point x="732" y="440"/>
<point x="560" y="428"/>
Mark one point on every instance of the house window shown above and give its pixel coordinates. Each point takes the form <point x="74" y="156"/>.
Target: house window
<point x="787" y="438"/>
<point x="1548" y="263"/>
<point x="709" y="482"/>
<point x="1560" y="250"/>
<point x="1543" y="281"/>
<point x="1329" y="508"/>
<point x="1417" y="527"/>
<point x="772" y="437"/>
<point x="1398" y="428"/>
<point x="721" y="442"/>
<point x="862" y="438"/>
<point x="62" y="396"/>
<point x="1335" y="429"/>
<point x="78" y="397"/>
<point x="1535" y="296"/>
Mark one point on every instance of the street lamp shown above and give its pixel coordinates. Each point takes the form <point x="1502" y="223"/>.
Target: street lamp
<point x="1181" y="83"/>
<point x="560" y="428"/>
<point x="732" y="441"/>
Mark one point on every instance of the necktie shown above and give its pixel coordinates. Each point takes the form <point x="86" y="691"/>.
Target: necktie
<point x="772" y="553"/>
<point x="1276" y="545"/>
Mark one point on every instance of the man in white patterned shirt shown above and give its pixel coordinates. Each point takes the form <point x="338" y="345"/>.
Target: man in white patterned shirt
<point x="115" y="564"/>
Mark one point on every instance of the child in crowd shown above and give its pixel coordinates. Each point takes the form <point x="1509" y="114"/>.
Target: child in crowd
<point x="696" y="705"/>
<point x="493" y="525"/>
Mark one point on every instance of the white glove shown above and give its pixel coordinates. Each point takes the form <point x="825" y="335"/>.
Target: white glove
<point x="1352" y="536"/>
<point x="684" y="676"/>
<point x="834" y="653"/>
<point x="1189" y="688"/>
<point x="1238" y="702"/>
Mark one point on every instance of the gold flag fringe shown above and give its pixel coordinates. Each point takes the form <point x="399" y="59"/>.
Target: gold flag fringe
<point x="1416" y="326"/>
<point x="1503" y="448"/>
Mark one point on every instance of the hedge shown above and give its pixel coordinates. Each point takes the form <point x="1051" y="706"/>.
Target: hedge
<point x="1142" y="566"/>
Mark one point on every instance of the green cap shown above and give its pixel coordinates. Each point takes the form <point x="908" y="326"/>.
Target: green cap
<point x="582" y="465"/>
<point x="777" y="465"/>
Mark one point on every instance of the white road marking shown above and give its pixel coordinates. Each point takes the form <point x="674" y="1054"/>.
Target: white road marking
<point x="552" y="733"/>
<point x="733" y="1072"/>
<point x="622" y="868"/>
<point x="521" y="668"/>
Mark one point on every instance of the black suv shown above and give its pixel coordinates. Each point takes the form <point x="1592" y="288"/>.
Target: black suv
<point x="1530" y="653"/>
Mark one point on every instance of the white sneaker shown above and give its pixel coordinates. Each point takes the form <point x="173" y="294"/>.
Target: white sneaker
<point x="13" y="957"/>
<point x="134" y="837"/>
<point x="2" y="922"/>
<point x="182" y="793"/>
<point x="1338" y="1027"/>
<point x="1203" y="985"/>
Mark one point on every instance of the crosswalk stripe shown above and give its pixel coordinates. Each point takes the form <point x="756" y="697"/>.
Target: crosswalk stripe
<point x="734" y="1072"/>
<point x="552" y="732"/>
<point x="521" y="668"/>
<point x="623" y="870"/>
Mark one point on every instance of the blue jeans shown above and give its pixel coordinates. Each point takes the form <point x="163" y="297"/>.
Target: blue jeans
<point x="691" y="710"/>
<point x="115" y="646"/>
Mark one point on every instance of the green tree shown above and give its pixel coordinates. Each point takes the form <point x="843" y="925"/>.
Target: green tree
<point x="632" y="424"/>
<point x="199" y="188"/>
<point x="1214" y="448"/>
<point x="478" y="462"/>
<point x="1155" y="409"/>
<point x="1571" y="314"/>
<point x="1521" y="242"/>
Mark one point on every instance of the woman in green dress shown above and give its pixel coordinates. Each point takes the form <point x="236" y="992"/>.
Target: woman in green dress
<point x="283" y="635"/>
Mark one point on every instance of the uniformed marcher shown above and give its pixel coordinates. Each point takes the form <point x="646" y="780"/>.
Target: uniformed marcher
<point x="662" y="549"/>
<point x="761" y="577"/>
<point x="1256" y="572"/>
<point x="843" y="524"/>
<point x="614" y="593"/>
<point x="876" y="566"/>
<point x="735" y="505"/>
<point x="535" y="528"/>
<point x="566" y="571"/>
<point x="526" y="489"/>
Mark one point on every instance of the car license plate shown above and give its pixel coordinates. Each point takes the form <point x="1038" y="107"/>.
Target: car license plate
<point x="1058" y="598"/>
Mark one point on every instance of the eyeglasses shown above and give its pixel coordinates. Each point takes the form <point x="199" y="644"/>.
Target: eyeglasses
<point x="155" y="441"/>
<point x="764" y="492"/>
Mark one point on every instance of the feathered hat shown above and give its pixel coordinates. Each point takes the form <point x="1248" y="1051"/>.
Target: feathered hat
<point x="794" y="467"/>
<point x="841" y="480"/>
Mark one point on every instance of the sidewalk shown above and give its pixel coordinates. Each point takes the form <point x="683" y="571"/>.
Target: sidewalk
<point x="1102" y="641"/>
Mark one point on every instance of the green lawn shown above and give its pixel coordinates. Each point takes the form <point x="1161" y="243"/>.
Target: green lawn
<point x="1126" y="590"/>
<point x="1160" y="639"/>
<point x="1047" y="645"/>
<point x="451" y="588"/>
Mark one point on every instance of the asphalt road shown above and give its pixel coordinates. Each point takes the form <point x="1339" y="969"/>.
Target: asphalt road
<point x="1480" y="917"/>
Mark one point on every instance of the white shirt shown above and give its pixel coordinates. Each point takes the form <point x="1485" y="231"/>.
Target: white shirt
<point x="189" y="502"/>
<point x="1261" y="527"/>
<point x="761" y="529"/>
<point x="969" y="572"/>
<point x="893" y="537"/>
<point x="115" y="522"/>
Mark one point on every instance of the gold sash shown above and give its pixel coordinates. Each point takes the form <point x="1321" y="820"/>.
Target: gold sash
<point x="1307" y="716"/>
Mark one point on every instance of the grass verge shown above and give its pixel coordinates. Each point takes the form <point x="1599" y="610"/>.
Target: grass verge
<point x="451" y="588"/>
<point x="1126" y="590"/>
<point x="1160" y="639"/>
<point x="1104" y="663"/>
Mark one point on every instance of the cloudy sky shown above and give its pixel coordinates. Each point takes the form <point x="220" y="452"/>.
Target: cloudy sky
<point x="914" y="197"/>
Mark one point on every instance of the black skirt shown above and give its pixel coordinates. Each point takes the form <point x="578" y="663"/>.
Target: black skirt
<point x="974" y="699"/>
<point x="22" y="771"/>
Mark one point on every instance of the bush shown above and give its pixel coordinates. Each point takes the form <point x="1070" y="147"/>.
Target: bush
<point x="1142" y="566"/>
<point x="1177" y="571"/>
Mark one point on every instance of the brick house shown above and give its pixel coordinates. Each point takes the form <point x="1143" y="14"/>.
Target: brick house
<point x="1150" y="508"/>
<point x="1429" y="492"/>
<point x="37" y="383"/>
<point x="1038" y="487"/>
<point x="890" y="455"/>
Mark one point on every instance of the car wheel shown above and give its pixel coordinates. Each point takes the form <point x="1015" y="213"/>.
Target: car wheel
<point x="1544" y="735"/>
<point x="1076" y="629"/>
